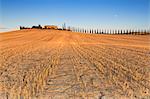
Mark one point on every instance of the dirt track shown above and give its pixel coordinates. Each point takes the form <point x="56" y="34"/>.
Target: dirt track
<point x="51" y="64"/>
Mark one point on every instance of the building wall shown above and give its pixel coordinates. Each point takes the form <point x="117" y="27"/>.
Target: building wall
<point x="51" y="27"/>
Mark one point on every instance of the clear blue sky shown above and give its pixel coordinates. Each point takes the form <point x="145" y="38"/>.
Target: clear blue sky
<point x="111" y="14"/>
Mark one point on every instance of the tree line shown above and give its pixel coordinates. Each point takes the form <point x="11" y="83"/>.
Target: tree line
<point x="110" y="31"/>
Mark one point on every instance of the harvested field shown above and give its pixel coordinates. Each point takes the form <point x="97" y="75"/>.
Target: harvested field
<point x="52" y="64"/>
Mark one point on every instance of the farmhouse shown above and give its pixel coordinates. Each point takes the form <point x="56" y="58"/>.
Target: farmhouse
<point x="50" y="27"/>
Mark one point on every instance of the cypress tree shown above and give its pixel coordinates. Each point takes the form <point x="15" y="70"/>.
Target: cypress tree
<point x="124" y="31"/>
<point x="130" y="31"/>
<point x="92" y="31"/>
<point x="115" y="31"/>
<point x="101" y="31"/>
<point x="84" y="30"/>
<point x="121" y="31"/>
<point x="145" y="32"/>
<point x="97" y="31"/>
<point x="127" y="32"/>
<point x="118" y="31"/>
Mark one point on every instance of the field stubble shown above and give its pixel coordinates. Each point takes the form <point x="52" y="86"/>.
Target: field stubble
<point x="53" y="64"/>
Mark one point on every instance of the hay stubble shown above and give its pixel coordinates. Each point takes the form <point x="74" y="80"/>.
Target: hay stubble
<point x="62" y="64"/>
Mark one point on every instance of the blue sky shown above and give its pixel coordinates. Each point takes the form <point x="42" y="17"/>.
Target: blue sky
<point x="112" y="14"/>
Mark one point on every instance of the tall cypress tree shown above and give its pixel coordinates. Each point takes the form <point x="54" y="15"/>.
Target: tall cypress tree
<point x="124" y="32"/>
<point x="90" y="31"/>
<point x="102" y="32"/>
<point x="118" y="31"/>
<point x="127" y="32"/>
<point x="121" y="31"/>
<point x="97" y="31"/>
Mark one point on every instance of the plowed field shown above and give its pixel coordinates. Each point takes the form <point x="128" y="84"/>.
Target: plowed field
<point x="52" y="64"/>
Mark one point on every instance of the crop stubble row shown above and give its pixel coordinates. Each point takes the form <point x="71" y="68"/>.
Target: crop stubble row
<point x="54" y="64"/>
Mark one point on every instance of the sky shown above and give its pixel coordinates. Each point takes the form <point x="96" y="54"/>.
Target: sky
<point x="101" y="14"/>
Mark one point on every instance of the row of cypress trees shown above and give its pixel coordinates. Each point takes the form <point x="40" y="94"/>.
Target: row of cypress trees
<point x="105" y="31"/>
